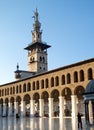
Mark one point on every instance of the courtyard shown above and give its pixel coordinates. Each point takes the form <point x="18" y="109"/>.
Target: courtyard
<point x="11" y="123"/>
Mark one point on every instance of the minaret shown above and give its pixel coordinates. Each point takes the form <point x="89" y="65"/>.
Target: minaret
<point x="37" y="49"/>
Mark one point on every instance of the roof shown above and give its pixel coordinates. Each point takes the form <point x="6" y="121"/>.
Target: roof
<point x="90" y="87"/>
<point x="32" y="45"/>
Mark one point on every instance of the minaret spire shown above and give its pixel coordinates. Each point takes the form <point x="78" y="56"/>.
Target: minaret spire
<point x="36" y="33"/>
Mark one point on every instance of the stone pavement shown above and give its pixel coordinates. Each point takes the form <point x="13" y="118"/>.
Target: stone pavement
<point x="10" y="123"/>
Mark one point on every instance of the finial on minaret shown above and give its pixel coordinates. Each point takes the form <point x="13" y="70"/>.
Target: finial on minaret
<point x="17" y="66"/>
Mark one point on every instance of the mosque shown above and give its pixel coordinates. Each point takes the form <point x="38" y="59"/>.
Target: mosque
<point x="40" y="92"/>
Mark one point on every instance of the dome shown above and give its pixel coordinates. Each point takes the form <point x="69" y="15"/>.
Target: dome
<point x="90" y="87"/>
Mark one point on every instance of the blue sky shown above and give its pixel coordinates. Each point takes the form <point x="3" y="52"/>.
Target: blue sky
<point x="68" y="26"/>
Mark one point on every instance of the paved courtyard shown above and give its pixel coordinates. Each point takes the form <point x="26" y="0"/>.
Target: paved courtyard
<point x="40" y="124"/>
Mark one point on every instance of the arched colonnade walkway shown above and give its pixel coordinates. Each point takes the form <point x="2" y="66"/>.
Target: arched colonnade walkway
<point x="47" y="103"/>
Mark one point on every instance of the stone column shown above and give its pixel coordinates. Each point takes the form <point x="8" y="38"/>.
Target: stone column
<point x="41" y="107"/>
<point x="15" y="108"/>
<point x="31" y="108"/>
<point x="90" y="112"/>
<point x="9" y="109"/>
<point x="74" y="107"/>
<point x="22" y="108"/>
<point x="61" y="106"/>
<point x="50" y="107"/>
<point x="0" y="110"/>
<point x="86" y="112"/>
<point x="93" y="110"/>
<point x="4" y="109"/>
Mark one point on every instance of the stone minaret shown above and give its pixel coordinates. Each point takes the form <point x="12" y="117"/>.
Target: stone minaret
<point x="37" y="49"/>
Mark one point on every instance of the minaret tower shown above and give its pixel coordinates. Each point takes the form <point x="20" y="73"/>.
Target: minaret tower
<point x="37" y="49"/>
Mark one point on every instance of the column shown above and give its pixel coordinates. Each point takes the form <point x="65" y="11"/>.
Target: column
<point x="61" y="106"/>
<point x="74" y="107"/>
<point x="86" y="112"/>
<point x="41" y="107"/>
<point x="15" y="108"/>
<point x="9" y="109"/>
<point x="31" y="108"/>
<point x="50" y="107"/>
<point x="4" y="109"/>
<point x="93" y="110"/>
<point x="90" y="112"/>
<point x="0" y="109"/>
<point x="22" y="108"/>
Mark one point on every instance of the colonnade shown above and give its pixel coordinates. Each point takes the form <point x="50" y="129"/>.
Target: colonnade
<point x="11" y="109"/>
<point x="89" y="111"/>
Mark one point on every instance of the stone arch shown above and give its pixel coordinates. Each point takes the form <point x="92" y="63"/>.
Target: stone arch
<point x="36" y="97"/>
<point x="46" y="83"/>
<point x="29" y="86"/>
<point x="68" y="78"/>
<point x="81" y="75"/>
<point x="27" y="99"/>
<point x="63" y="79"/>
<point x="37" y="85"/>
<point x="75" y="76"/>
<point x="52" y="82"/>
<point x="55" y="95"/>
<point x="18" y="99"/>
<point x="79" y="90"/>
<point x="1" y="101"/>
<point x="12" y="100"/>
<point x="45" y="96"/>
<point x="56" y="81"/>
<point x="24" y="87"/>
<point x="6" y="100"/>
<point x="90" y="74"/>
<point x="66" y="92"/>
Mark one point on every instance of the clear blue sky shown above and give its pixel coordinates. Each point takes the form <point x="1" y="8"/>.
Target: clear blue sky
<point x="68" y="26"/>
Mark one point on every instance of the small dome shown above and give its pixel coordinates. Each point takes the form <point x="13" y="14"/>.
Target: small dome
<point x="90" y="87"/>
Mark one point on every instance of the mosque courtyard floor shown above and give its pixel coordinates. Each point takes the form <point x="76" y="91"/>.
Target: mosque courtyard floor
<point x="11" y="123"/>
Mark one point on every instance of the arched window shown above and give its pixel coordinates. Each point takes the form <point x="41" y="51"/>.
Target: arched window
<point x="2" y="92"/>
<point x="28" y="87"/>
<point x="37" y="85"/>
<point x="33" y="85"/>
<point x="40" y="58"/>
<point x="46" y="83"/>
<point x="20" y="89"/>
<point x="81" y="75"/>
<point x="90" y="75"/>
<point x="68" y="79"/>
<point x="63" y="79"/>
<point x="75" y="76"/>
<point x="42" y="83"/>
<point x="24" y="87"/>
<point x="56" y="80"/>
<point x="13" y="90"/>
<point x="17" y="89"/>
<point x="52" y="82"/>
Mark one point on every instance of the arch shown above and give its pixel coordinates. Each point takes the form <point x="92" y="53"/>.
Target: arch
<point x="12" y="100"/>
<point x="18" y="99"/>
<point x="13" y="90"/>
<point x="0" y="93"/>
<point x="33" y="85"/>
<point x="36" y="97"/>
<point x="66" y="92"/>
<point x="90" y="74"/>
<point x="75" y="76"/>
<point x="63" y="79"/>
<point x="24" y="87"/>
<point x="37" y="85"/>
<point x="28" y="87"/>
<point x="56" y="81"/>
<point x="55" y="95"/>
<point x="81" y="75"/>
<point x="17" y="89"/>
<point x="42" y="84"/>
<point x="6" y="100"/>
<point x="46" y="83"/>
<point x="27" y="98"/>
<point x="68" y="79"/>
<point x="52" y="82"/>
<point x="45" y="96"/>
<point x="1" y="101"/>
<point x="7" y="91"/>
<point x="20" y="88"/>
<point x="79" y="90"/>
